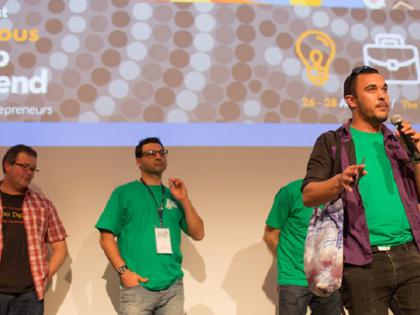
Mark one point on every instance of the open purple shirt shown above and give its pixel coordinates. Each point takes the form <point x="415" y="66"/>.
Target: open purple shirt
<point x="357" y="249"/>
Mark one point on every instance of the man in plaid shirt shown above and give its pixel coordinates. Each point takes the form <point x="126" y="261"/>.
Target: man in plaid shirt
<point x="29" y="224"/>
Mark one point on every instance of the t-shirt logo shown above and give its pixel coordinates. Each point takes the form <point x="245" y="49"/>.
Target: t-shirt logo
<point x="170" y="204"/>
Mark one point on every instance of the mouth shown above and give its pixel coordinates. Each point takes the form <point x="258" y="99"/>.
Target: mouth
<point x="382" y="106"/>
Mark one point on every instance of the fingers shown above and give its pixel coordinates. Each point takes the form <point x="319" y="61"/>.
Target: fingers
<point x="409" y="131"/>
<point x="141" y="279"/>
<point x="350" y="176"/>
<point x="178" y="188"/>
<point x="175" y="182"/>
<point x="132" y="279"/>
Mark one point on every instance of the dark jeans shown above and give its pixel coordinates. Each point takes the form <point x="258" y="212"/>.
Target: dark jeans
<point x="21" y="304"/>
<point x="294" y="300"/>
<point x="392" y="281"/>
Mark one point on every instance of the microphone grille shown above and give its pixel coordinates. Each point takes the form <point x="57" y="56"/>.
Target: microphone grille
<point x="396" y="119"/>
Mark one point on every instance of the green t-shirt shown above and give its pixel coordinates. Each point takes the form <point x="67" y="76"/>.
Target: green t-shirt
<point x="385" y="214"/>
<point x="131" y="215"/>
<point x="291" y="217"/>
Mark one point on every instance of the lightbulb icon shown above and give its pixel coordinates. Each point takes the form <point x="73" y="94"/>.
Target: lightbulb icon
<point x="306" y="2"/>
<point x="317" y="60"/>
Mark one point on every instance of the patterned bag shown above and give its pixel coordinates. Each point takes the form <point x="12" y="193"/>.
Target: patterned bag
<point x="323" y="257"/>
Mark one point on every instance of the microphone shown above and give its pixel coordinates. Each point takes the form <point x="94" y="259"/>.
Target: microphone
<point x="397" y="121"/>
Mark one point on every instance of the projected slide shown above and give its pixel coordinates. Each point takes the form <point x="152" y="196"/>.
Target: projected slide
<point x="105" y="72"/>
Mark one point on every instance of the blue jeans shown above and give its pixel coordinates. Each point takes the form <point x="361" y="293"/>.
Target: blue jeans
<point x="392" y="281"/>
<point x="294" y="300"/>
<point x="21" y="304"/>
<point x="140" y="301"/>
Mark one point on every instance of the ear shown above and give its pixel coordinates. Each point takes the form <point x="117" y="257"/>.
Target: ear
<point x="351" y="101"/>
<point x="7" y="166"/>
<point x="138" y="162"/>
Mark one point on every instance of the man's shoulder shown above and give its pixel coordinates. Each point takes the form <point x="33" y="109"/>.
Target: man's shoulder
<point x="126" y="187"/>
<point x="330" y="138"/>
<point x="330" y="135"/>
<point x="292" y="186"/>
<point x="34" y="194"/>
<point x="292" y="190"/>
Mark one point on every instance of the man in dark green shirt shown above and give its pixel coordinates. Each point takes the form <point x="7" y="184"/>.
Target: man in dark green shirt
<point x="285" y="235"/>
<point x="146" y="218"/>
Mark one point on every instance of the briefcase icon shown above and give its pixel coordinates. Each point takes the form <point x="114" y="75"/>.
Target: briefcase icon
<point x="396" y="61"/>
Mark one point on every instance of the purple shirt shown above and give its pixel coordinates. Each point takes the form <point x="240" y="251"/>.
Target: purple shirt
<point x="357" y="249"/>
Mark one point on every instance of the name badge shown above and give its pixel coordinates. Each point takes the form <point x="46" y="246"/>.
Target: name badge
<point x="163" y="241"/>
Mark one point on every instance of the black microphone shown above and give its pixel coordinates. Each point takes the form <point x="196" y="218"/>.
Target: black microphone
<point x="397" y="121"/>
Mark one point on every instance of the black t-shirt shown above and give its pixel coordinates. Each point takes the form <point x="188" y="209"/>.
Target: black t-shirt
<point x="15" y="271"/>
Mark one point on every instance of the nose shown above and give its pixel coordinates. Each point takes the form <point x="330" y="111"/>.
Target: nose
<point x="30" y="171"/>
<point x="160" y="155"/>
<point x="383" y="94"/>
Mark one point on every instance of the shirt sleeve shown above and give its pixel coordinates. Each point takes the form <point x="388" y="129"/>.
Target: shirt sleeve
<point x="55" y="230"/>
<point x="320" y="164"/>
<point x="280" y="209"/>
<point x="111" y="218"/>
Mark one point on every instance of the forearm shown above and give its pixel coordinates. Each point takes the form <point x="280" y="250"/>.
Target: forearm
<point x="58" y="255"/>
<point x="271" y="238"/>
<point x="318" y="193"/>
<point x="194" y="222"/>
<point x="111" y="250"/>
<point x="128" y="277"/>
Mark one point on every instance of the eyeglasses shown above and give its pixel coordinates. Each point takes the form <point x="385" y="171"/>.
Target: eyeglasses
<point x="153" y="153"/>
<point x="363" y="69"/>
<point x="27" y="167"/>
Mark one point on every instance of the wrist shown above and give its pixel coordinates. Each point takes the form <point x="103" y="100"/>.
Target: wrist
<point x="185" y="202"/>
<point x="121" y="269"/>
<point x="339" y="182"/>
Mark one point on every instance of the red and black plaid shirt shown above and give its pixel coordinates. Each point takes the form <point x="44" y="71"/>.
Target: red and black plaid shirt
<point x="42" y="226"/>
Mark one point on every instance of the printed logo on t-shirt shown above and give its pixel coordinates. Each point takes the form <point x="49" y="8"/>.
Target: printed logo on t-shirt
<point x="12" y="215"/>
<point x="170" y="204"/>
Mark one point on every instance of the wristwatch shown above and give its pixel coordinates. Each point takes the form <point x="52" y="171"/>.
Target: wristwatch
<point x="121" y="269"/>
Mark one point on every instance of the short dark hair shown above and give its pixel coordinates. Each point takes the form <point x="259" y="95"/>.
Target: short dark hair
<point x="139" y="147"/>
<point x="350" y="82"/>
<point x="12" y="153"/>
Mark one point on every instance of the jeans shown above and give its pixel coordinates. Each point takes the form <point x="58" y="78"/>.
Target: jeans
<point x="21" y="304"/>
<point x="140" y="301"/>
<point x="392" y="281"/>
<point x="294" y="300"/>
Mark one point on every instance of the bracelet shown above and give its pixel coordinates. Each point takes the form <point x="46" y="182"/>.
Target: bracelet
<point x="121" y="269"/>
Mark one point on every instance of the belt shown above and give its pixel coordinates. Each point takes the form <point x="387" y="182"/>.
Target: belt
<point x="376" y="249"/>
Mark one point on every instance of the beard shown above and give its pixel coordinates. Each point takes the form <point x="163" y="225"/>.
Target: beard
<point x="155" y="169"/>
<point x="380" y="119"/>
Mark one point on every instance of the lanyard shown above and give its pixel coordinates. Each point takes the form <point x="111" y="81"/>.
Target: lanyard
<point x="158" y="208"/>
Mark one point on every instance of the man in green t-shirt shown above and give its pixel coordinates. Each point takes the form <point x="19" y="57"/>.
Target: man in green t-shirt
<point x="379" y="183"/>
<point x="141" y="235"/>
<point x="290" y="218"/>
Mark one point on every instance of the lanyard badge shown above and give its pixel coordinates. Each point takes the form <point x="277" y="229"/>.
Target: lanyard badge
<point x="163" y="235"/>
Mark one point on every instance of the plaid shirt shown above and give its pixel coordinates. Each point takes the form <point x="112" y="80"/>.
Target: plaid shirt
<point x="42" y="226"/>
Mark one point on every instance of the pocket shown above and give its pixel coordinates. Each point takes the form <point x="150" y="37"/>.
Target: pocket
<point x="130" y="287"/>
<point x="413" y="250"/>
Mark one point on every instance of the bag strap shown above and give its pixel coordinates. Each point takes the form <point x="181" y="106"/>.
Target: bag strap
<point x="337" y="158"/>
<point x="336" y="166"/>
